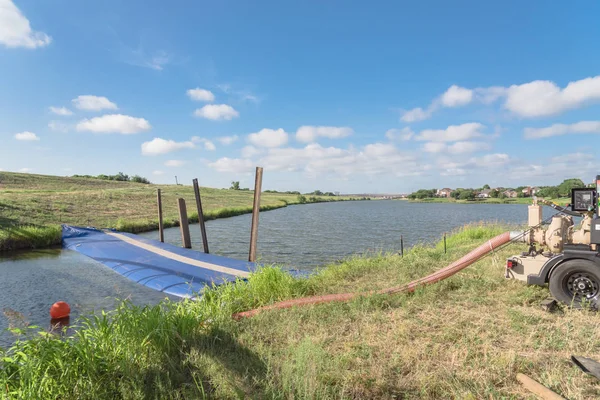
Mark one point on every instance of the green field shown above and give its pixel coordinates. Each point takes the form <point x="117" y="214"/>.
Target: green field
<point x="33" y="206"/>
<point x="464" y="338"/>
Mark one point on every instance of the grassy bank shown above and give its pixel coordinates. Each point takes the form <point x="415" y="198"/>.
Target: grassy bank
<point x="33" y="206"/>
<point x="465" y="338"/>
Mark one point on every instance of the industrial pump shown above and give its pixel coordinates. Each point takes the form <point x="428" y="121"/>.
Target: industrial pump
<point x="564" y="255"/>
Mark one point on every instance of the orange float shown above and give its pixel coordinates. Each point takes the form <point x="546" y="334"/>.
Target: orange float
<point x="60" y="309"/>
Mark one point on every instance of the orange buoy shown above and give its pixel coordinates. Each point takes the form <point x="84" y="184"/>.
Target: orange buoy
<point x="60" y="309"/>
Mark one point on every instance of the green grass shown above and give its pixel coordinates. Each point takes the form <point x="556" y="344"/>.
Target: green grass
<point x="44" y="202"/>
<point x="17" y="237"/>
<point x="466" y="338"/>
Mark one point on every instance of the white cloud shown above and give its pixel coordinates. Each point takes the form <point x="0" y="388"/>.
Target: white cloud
<point x="157" y="61"/>
<point x="572" y="157"/>
<point x="27" y="136"/>
<point x="93" y="103"/>
<point x="158" y="173"/>
<point x="318" y="161"/>
<point x="307" y="134"/>
<point x="174" y="163"/>
<point x="452" y="133"/>
<point x="399" y="134"/>
<point x="462" y="147"/>
<point x="235" y="165"/>
<point x="563" y="129"/>
<point x="114" y="123"/>
<point x="434" y="147"/>
<point x="545" y="98"/>
<point x="208" y="145"/>
<point x="456" y="96"/>
<point x="268" y="138"/>
<point x="61" y="111"/>
<point x="468" y="147"/>
<point x="528" y="100"/>
<point x="25" y="170"/>
<point x="227" y="140"/>
<point x="201" y="95"/>
<point x="242" y="95"/>
<point x="217" y="112"/>
<point x="15" y="30"/>
<point x="415" y="115"/>
<point x="161" y="146"/>
<point x="490" y="94"/>
<point x="250" y="151"/>
<point x="58" y="126"/>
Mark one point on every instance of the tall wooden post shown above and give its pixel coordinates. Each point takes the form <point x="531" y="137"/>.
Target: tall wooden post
<point x="200" y="215"/>
<point x="402" y="245"/>
<point x="255" y="211"/>
<point x="184" y="224"/>
<point x="161" y="233"/>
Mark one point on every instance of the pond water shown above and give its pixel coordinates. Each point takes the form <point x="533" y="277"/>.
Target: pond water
<point x="303" y="236"/>
<point x="30" y="282"/>
<point x="306" y="236"/>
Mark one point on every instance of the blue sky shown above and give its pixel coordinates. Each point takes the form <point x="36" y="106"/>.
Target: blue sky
<point x="344" y="96"/>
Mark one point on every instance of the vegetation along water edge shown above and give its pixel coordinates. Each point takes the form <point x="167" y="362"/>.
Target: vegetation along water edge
<point x="466" y="337"/>
<point x="32" y="207"/>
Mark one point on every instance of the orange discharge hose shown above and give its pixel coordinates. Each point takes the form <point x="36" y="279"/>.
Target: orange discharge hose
<point x="437" y="276"/>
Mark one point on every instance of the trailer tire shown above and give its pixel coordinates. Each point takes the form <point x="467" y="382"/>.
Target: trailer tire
<point x="576" y="283"/>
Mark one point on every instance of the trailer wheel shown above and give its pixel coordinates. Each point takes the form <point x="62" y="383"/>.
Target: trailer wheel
<point x="576" y="283"/>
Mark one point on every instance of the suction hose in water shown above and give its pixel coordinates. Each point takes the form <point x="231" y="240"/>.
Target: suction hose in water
<point x="437" y="276"/>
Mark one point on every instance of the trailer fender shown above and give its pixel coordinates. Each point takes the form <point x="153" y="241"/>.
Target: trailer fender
<point x="544" y="276"/>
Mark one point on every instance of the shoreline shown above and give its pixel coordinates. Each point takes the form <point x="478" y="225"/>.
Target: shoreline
<point x="40" y="237"/>
<point x="375" y="346"/>
<point x="519" y="201"/>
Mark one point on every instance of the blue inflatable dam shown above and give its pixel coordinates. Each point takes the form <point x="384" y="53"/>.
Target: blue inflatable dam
<point x="160" y="266"/>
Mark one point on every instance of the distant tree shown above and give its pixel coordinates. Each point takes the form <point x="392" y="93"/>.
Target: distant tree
<point x="520" y="194"/>
<point x="139" y="179"/>
<point x="565" y="187"/>
<point x="301" y="199"/>
<point x="121" y="177"/>
<point x="486" y="186"/>
<point x="467" y="195"/>
<point x="549" y="191"/>
<point x="235" y="185"/>
<point x="317" y="193"/>
<point x="494" y="193"/>
<point x="501" y="195"/>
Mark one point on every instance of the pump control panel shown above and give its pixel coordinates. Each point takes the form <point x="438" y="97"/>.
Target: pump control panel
<point x="583" y="199"/>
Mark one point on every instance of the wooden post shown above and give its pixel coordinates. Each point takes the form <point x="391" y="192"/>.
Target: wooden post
<point x="401" y="246"/>
<point x="255" y="211"/>
<point x="161" y="233"/>
<point x="538" y="389"/>
<point x="184" y="224"/>
<point x="200" y="215"/>
<point x="444" y="242"/>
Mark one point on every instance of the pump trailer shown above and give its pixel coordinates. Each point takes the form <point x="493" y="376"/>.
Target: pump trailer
<point x="559" y="254"/>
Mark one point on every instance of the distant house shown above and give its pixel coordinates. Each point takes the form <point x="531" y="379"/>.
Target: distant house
<point x="484" y="194"/>
<point x="529" y="191"/>
<point x="510" y="193"/>
<point x="445" y="192"/>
